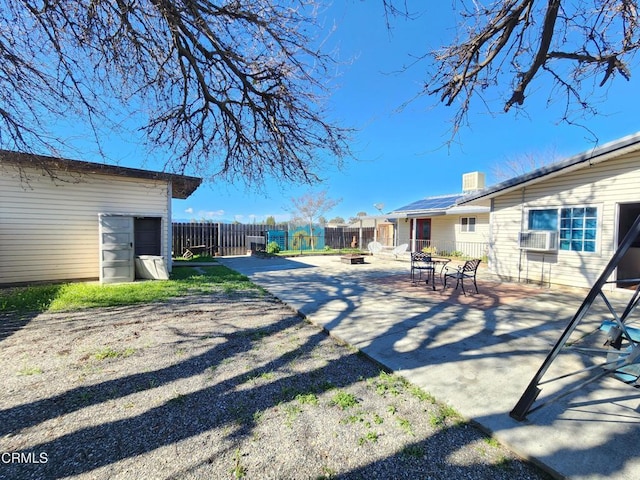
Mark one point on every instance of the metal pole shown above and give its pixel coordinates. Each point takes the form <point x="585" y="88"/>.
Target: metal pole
<point x="523" y="407"/>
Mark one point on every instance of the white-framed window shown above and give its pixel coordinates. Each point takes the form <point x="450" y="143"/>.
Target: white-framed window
<point x="468" y="224"/>
<point x="577" y="226"/>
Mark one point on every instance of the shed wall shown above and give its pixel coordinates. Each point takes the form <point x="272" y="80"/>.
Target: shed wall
<point x="49" y="227"/>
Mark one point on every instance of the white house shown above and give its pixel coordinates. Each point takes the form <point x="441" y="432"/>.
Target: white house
<point x="562" y="223"/>
<point x="439" y="223"/>
<point x="72" y="220"/>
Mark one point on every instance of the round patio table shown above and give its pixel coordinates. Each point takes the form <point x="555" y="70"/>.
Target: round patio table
<point x="437" y="261"/>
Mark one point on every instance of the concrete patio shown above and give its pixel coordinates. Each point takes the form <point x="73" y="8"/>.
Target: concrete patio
<point x="476" y="353"/>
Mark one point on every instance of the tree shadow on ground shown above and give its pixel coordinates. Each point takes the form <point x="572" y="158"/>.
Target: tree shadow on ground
<point x="425" y="330"/>
<point x="220" y="405"/>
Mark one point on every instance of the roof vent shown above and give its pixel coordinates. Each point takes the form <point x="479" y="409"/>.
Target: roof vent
<point x="472" y="181"/>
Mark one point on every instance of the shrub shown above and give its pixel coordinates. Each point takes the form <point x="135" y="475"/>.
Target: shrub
<point x="273" y="247"/>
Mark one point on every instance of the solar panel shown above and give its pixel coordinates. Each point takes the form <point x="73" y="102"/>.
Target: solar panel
<point x="431" y="203"/>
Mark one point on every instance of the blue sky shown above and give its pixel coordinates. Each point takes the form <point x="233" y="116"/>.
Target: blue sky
<point x="402" y="155"/>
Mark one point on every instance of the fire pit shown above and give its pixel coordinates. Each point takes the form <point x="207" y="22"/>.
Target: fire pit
<point x="352" y="259"/>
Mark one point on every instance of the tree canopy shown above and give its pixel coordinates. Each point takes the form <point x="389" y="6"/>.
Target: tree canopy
<point x="224" y="89"/>
<point x="508" y="46"/>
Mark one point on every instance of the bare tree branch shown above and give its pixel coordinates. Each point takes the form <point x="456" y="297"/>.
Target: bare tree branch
<point x="229" y="89"/>
<point x="506" y="46"/>
<point x="541" y="55"/>
<point x="523" y="163"/>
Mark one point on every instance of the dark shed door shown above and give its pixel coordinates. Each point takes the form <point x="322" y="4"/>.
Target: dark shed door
<point x="148" y="236"/>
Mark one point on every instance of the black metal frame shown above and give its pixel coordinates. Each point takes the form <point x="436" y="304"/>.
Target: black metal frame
<point x="468" y="270"/>
<point x="622" y="349"/>
<point x="422" y="261"/>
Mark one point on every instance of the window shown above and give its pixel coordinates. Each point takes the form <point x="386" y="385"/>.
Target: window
<point x="543" y="219"/>
<point x="468" y="224"/>
<point x="577" y="226"/>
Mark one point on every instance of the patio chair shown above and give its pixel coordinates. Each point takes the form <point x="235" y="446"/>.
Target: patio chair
<point x="374" y="247"/>
<point x="468" y="270"/>
<point x="421" y="261"/>
<point x="400" y="249"/>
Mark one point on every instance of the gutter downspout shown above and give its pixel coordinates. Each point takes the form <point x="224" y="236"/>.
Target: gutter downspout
<point x="169" y="228"/>
<point x="490" y="248"/>
<point x="522" y="199"/>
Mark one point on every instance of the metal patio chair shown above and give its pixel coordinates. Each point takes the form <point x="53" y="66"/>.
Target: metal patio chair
<point x="420" y="262"/>
<point x="466" y="271"/>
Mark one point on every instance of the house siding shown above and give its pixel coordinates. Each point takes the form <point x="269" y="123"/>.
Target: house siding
<point x="403" y="232"/>
<point x="446" y="230"/>
<point x="49" y="227"/>
<point x="449" y="229"/>
<point x="604" y="185"/>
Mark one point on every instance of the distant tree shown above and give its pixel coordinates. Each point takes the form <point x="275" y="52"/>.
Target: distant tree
<point x="520" y="164"/>
<point x="311" y="207"/>
<point x="358" y="217"/>
<point x="337" y="220"/>
<point x="222" y="89"/>
<point x="270" y="220"/>
<point x="505" y="47"/>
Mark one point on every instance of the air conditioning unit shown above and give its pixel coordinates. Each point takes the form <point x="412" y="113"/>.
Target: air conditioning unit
<point x="472" y="182"/>
<point x="540" y="240"/>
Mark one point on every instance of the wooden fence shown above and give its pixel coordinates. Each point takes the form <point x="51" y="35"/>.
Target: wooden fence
<point x="231" y="239"/>
<point x="348" y="237"/>
<point x="216" y="238"/>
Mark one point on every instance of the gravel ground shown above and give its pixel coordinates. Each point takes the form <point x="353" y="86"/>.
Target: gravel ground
<point x="219" y="386"/>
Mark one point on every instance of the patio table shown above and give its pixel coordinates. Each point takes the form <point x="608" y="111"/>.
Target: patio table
<point x="437" y="261"/>
<point x="432" y="264"/>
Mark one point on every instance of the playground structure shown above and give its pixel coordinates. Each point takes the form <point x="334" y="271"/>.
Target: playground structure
<point x="618" y="355"/>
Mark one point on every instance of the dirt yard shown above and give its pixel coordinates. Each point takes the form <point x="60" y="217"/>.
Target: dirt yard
<point x="218" y="386"/>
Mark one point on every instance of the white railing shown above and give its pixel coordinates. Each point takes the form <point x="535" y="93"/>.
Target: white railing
<point x="453" y="248"/>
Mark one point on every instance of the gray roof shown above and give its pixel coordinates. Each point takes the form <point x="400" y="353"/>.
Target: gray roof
<point x="181" y="185"/>
<point x="595" y="155"/>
